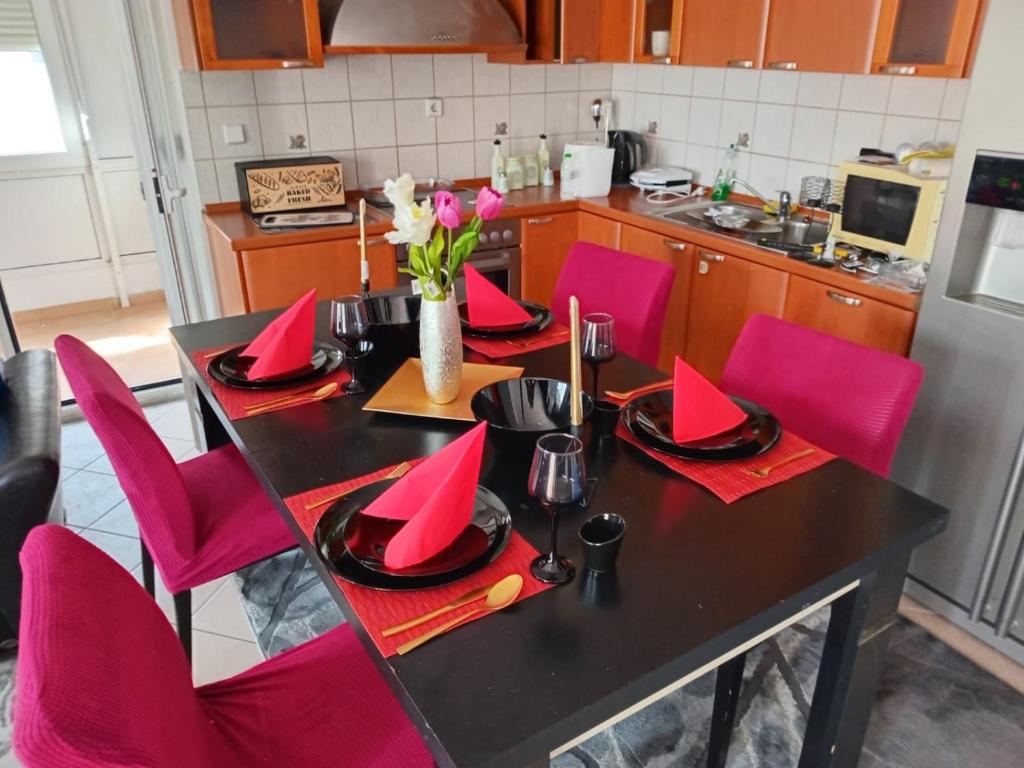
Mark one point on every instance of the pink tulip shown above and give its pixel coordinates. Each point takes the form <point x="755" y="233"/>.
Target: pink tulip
<point x="489" y="203"/>
<point x="448" y="209"/>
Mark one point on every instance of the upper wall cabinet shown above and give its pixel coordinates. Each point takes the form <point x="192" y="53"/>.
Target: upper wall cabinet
<point x="569" y="31"/>
<point x="821" y="35"/>
<point x="925" y="37"/>
<point x="657" y="30"/>
<point x="255" y="34"/>
<point x="723" y="35"/>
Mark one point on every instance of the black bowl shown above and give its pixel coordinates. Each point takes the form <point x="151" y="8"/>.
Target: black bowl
<point x="521" y="410"/>
<point x="395" y="324"/>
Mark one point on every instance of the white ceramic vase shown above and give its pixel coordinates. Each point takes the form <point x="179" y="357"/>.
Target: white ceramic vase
<point x="441" y="349"/>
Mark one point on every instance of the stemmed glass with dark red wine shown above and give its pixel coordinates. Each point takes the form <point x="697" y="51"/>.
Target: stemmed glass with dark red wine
<point x="598" y="341"/>
<point x="558" y="477"/>
<point x="350" y="324"/>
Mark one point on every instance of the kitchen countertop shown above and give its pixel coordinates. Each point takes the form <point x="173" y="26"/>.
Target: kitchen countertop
<point x="227" y="221"/>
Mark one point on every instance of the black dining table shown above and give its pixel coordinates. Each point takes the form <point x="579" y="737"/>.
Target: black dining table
<point x="698" y="582"/>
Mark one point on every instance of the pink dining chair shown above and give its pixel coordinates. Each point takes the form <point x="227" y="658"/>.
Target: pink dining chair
<point x="103" y="682"/>
<point x="849" y="399"/>
<point x="632" y="289"/>
<point x="198" y="520"/>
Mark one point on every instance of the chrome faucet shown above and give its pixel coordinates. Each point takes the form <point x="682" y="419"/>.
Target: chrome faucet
<point x="781" y="210"/>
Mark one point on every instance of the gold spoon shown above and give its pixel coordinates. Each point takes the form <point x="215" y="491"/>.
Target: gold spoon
<point x="470" y="597"/>
<point x="325" y="391"/>
<point x="310" y="392"/>
<point x="765" y="471"/>
<point x="501" y="595"/>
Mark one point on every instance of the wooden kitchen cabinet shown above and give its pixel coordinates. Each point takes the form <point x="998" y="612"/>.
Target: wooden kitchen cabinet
<point x="255" y="34"/>
<point x="726" y="291"/>
<point x="546" y="242"/>
<point x="849" y="316"/>
<point x="276" y="277"/>
<point x="717" y="34"/>
<point x="820" y="35"/>
<point x="681" y="255"/>
<point x="566" y="31"/>
<point x="925" y="37"/>
<point x="598" y="229"/>
<point x="657" y="16"/>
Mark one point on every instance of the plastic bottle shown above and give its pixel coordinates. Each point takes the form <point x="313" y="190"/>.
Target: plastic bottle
<point x="543" y="156"/>
<point x="723" y="179"/>
<point x="567" y="190"/>
<point x="497" y="164"/>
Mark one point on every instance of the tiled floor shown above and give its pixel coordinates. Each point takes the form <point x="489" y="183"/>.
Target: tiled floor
<point x="134" y="340"/>
<point x="223" y="643"/>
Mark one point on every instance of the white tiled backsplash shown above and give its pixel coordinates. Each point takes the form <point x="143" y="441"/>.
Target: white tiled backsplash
<point x="369" y="112"/>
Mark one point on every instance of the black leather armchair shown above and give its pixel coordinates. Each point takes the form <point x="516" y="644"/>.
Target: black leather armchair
<point x="29" y="468"/>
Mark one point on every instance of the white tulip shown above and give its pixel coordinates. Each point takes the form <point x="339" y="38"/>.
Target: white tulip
<point x="399" y="192"/>
<point x="413" y="223"/>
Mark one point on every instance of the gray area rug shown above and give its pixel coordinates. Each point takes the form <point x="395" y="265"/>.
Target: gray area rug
<point x="934" y="709"/>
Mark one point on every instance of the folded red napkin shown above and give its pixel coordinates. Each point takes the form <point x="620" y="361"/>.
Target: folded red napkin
<point x="488" y="305"/>
<point x="436" y="498"/>
<point x="286" y="344"/>
<point x="699" y="408"/>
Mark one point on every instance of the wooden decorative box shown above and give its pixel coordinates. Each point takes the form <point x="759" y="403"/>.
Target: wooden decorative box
<point x="270" y="186"/>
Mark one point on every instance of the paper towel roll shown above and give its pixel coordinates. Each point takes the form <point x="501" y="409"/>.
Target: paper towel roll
<point x="930" y="168"/>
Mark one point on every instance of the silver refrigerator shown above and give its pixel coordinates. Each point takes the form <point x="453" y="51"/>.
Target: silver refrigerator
<point x="964" y="446"/>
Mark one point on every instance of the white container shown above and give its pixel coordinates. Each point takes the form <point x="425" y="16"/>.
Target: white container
<point x="660" y="39"/>
<point x="514" y="169"/>
<point x="531" y="173"/>
<point x="593" y="166"/>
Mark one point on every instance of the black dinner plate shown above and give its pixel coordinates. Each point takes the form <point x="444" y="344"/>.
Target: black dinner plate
<point x="231" y="369"/>
<point x="490" y="515"/>
<point x="649" y="419"/>
<point x="540" y="318"/>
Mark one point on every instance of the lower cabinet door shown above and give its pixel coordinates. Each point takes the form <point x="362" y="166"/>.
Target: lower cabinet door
<point x="850" y="316"/>
<point x="681" y="255"/>
<point x="546" y="241"/>
<point x="276" y="277"/>
<point x="726" y="291"/>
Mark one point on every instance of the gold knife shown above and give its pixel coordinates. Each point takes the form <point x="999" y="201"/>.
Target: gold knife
<point x="469" y="597"/>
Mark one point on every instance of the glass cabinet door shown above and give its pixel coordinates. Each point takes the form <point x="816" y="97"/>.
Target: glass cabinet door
<point x="925" y="37"/>
<point x="258" y="33"/>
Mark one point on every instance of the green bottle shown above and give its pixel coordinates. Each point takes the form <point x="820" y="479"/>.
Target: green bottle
<point x="723" y="179"/>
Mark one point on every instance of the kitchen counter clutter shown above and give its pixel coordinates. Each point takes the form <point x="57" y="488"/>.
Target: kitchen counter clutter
<point x="720" y="279"/>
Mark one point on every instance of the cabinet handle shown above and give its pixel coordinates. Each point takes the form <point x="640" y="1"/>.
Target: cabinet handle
<point x="849" y="301"/>
<point x="545" y="220"/>
<point x="740" y="63"/>
<point x="375" y="241"/>
<point x="663" y="60"/>
<point x="782" y="65"/>
<point x="898" y="69"/>
<point x="579" y="60"/>
<point x="713" y="257"/>
<point x="296" y="63"/>
<point x="674" y="245"/>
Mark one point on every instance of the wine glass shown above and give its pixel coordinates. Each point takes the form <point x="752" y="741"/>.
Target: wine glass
<point x="598" y="341"/>
<point x="557" y="477"/>
<point x="350" y="324"/>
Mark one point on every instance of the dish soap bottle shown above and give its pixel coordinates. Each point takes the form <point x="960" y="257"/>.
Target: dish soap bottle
<point x="497" y="164"/>
<point x="567" y="190"/>
<point x="723" y="179"/>
<point x="543" y="156"/>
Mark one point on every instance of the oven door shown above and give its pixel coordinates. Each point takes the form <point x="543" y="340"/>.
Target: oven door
<point x="501" y="267"/>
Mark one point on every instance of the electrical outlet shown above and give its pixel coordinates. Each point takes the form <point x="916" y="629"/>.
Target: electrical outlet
<point x="234" y="134"/>
<point x="433" y="107"/>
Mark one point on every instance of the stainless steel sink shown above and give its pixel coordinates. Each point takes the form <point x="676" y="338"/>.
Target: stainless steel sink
<point x="802" y="233"/>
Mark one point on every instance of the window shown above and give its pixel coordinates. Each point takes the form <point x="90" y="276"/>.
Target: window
<point x="38" y="121"/>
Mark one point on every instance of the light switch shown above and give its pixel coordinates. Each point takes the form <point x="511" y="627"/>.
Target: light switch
<point x="234" y="134"/>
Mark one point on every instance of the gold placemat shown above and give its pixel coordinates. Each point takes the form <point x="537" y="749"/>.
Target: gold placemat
<point x="403" y="393"/>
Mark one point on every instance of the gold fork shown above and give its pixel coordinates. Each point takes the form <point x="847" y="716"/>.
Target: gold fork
<point x="394" y="474"/>
<point x="283" y="399"/>
<point x="765" y="471"/>
<point x="631" y="393"/>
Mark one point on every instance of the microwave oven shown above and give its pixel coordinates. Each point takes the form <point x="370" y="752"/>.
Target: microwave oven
<point x="886" y="209"/>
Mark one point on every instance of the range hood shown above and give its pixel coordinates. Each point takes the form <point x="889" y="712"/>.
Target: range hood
<point x="463" y="25"/>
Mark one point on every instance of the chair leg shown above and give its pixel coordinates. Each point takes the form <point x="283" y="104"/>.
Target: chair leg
<point x="728" y="681"/>
<point x="148" y="578"/>
<point x="183" y="613"/>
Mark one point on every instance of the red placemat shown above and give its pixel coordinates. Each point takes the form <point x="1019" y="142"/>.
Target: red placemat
<point x="554" y="334"/>
<point x="234" y="400"/>
<point x="726" y="479"/>
<point x="379" y="610"/>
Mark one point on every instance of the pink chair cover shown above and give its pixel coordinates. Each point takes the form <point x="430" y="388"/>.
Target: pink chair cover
<point x="632" y="289"/>
<point x="103" y="681"/>
<point x="200" y="519"/>
<point x="849" y="399"/>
